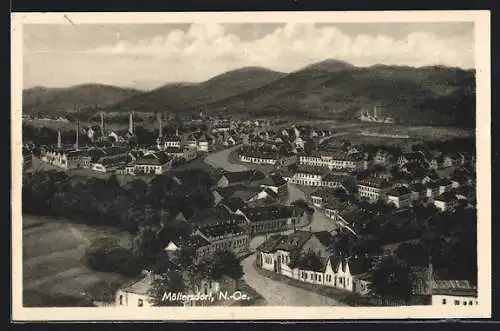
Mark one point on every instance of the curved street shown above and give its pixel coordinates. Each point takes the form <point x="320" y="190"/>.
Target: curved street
<point x="276" y="293"/>
<point x="280" y="294"/>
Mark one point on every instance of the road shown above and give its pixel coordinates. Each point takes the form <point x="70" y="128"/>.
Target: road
<point x="276" y="293"/>
<point x="280" y="294"/>
<point x="221" y="160"/>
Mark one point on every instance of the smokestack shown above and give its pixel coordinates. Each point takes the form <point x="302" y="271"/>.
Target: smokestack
<point x="430" y="274"/>
<point x="58" y="138"/>
<point x="102" y="124"/>
<point x="160" y="129"/>
<point x="131" y="123"/>
<point x="375" y="112"/>
<point x="77" y="134"/>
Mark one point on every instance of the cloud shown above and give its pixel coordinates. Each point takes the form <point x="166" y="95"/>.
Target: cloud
<point x="293" y="45"/>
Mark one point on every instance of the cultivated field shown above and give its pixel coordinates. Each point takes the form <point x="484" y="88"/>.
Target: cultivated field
<point x="54" y="271"/>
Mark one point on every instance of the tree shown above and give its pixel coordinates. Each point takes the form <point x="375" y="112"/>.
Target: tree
<point x="169" y="282"/>
<point x="392" y="278"/>
<point x="223" y="263"/>
<point x="147" y="245"/>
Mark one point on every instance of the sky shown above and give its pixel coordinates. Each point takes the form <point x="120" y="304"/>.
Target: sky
<point x="146" y="56"/>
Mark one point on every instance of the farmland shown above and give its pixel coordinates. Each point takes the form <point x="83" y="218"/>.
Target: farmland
<point x="54" y="271"/>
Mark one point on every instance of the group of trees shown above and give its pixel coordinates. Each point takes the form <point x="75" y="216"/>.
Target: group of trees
<point x="98" y="201"/>
<point x="449" y="240"/>
<point x="181" y="273"/>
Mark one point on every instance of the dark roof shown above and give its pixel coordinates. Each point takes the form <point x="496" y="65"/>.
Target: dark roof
<point x="215" y="216"/>
<point x="196" y="241"/>
<point x="444" y="182"/>
<point x="294" y="240"/>
<point x="243" y="176"/>
<point x="174" y="150"/>
<point x="453" y="287"/>
<point x="446" y="197"/>
<point x="417" y="187"/>
<point x="374" y="182"/>
<point x="325" y="237"/>
<point x="270" y="244"/>
<point x="266" y="213"/>
<point x="233" y="203"/>
<point x="399" y="191"/>
<point x="333" y="177"/>
<point x="358" y="266"/>
<point x="222" y="230"/>
<point x="301" y="168"/>
<point x="324" y="193"/>
<point x="158" y="158"/>
<point x="275" y="180"/>
<point x="238" y="191"/>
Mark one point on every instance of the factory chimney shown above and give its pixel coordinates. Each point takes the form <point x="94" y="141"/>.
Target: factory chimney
<point x="77" y="133"/>
<point x="102" y="124"/>
<point x="131" y="123"/>
<point x="160" y="128"/>
<point x="58" y="138"/>
<point x="375" y="112"/>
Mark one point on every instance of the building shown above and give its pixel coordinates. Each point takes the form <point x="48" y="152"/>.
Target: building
<point x="335" y="159"/>
<point x="445" y="185"/>
<point x="446" y="201"/>
<point x="153" y="164"/>
<point x="400" y="196"/>
<point x="321" y="196"/>
<point x="136" y="294"/>
<point x="432" y="190"/>
<point x="373" y="189"/>
<point x="305" y="175"/>
<point x="248" y="194"/>
<point x="272" y="218"/>
<point x="260" y="155"/>
<point x="187" y="153"/>
<point x="418" y="192"/>
<point x="453" y="293"/>
<point x="27" y="158"/>
<point x="274" y="254"/>
<point x="413" y="157"/>
<point x="276" y="183"/>
<point x="231" y="237"/>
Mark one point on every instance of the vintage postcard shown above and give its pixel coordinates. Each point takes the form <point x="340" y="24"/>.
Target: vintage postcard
<point x="251" y="166"/>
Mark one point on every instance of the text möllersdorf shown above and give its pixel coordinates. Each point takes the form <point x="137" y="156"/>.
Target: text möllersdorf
<point x="211" y="297"/>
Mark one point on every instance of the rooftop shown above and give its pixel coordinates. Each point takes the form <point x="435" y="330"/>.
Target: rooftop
<point x="265" y="213"/>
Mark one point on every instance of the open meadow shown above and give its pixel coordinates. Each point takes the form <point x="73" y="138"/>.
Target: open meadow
<point x="54" y="270"/>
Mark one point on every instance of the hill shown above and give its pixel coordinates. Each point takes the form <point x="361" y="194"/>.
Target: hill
<point x="174" y="97"/>
<point x="433" y="95"/>
<point x="73" y="99"/>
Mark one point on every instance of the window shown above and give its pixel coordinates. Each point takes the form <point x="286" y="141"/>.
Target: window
<point x="121" y="300"/>
<point x="470" y="303"/>
<point x="139" y="303"/>
<point x="319" y="278"/>
<point x="457" y="302"/>
<point x="465" y="303"/>
<point x="444" y="301"/>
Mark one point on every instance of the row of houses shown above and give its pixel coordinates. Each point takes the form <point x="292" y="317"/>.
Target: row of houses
<point x="353" y="273"/>
<point x="276" y="254"/>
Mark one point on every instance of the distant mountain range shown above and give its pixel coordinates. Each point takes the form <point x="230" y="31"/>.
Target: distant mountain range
<point x="433" y="95"/>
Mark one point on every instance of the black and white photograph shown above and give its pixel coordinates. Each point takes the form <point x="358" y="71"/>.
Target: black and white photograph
<point x="271" y="166"/>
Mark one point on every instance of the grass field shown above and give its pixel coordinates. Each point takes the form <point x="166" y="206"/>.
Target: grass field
<point x="54" y="272"/>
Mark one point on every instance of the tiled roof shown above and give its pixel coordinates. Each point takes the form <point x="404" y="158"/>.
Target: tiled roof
<point x="374" y="182"/>
<point x="399" y="191"/>
<point x="158" y="158"/>
<point x="295" y="240"/>
<point x="233" y="203"/>
<point x="222" y="230"/>
<point x="266" y="213"/>
<point x="243" y="176"/>
<point x="270" y="244"/>
<point x="325" y="237"/>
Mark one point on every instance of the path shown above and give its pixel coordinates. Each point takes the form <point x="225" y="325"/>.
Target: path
<point x="280" y="294"/>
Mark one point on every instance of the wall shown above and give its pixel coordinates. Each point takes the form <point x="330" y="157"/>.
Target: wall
<point x="131" y="299"/>
<point x="451" y="301"/>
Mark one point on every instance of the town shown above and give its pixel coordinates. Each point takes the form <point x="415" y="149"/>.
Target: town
<point x="216" y="204"/>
